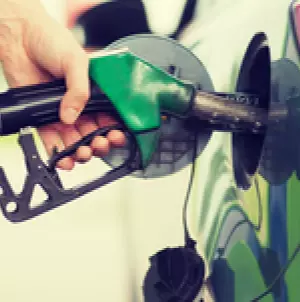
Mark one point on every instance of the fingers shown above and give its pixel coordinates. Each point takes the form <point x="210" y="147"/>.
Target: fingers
<point x="22" y="78"/>
<point x="61" y="136"/>
<point x="100" y="145"/>
<point x="69" y="135"/>
<point x="115" y="137"/>
<point x="75" y="69"/>
<point x="52" y="139"/>
<point x="19" y="70"/>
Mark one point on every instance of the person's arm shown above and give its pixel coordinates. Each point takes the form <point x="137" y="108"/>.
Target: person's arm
<point x="34" y="48"/>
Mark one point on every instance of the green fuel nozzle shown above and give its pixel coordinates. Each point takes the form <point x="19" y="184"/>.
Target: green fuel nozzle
<point x="137" y="93"/>
<point x="142" y="92"/>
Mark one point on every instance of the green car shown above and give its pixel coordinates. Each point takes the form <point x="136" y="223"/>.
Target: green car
<point x="245" y="201"/>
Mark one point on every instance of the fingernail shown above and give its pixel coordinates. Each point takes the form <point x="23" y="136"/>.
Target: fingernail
<point x="70" y="115"/>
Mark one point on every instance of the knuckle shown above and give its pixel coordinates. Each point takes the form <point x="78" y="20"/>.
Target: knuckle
<point x="84" y="58"/>
<point x="75" y="56"/>
<point x="82" y="94"/>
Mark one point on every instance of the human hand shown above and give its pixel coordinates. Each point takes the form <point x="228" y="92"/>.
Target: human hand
<point x="34" y="48"/>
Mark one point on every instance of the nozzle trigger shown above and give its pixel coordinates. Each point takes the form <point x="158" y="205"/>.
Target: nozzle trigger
<point x="17" y="207"/>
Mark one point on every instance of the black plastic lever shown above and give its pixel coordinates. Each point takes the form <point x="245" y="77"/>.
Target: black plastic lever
<point x="17" y="208"/>
<point x="38" y="105"/>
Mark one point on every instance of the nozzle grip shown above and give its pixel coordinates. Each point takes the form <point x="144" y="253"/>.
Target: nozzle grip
<point x="38" y="105"/>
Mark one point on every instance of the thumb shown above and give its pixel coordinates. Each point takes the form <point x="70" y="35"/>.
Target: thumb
<point x="75" y="69"/>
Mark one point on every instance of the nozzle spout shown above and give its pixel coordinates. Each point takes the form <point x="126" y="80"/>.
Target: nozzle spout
<point x="230" y="112"/>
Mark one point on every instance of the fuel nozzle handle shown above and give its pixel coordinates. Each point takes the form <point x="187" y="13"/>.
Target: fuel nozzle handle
<point x="38" y="105"/>
<point x="142" y="92"/>
<point x="137" y="93"/>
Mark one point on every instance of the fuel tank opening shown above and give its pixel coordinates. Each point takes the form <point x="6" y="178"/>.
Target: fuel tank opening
<point x="255" y="78"/>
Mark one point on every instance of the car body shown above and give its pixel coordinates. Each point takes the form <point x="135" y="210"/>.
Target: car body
<point x="255" y="229"/>
<point x="243" y="210"/>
